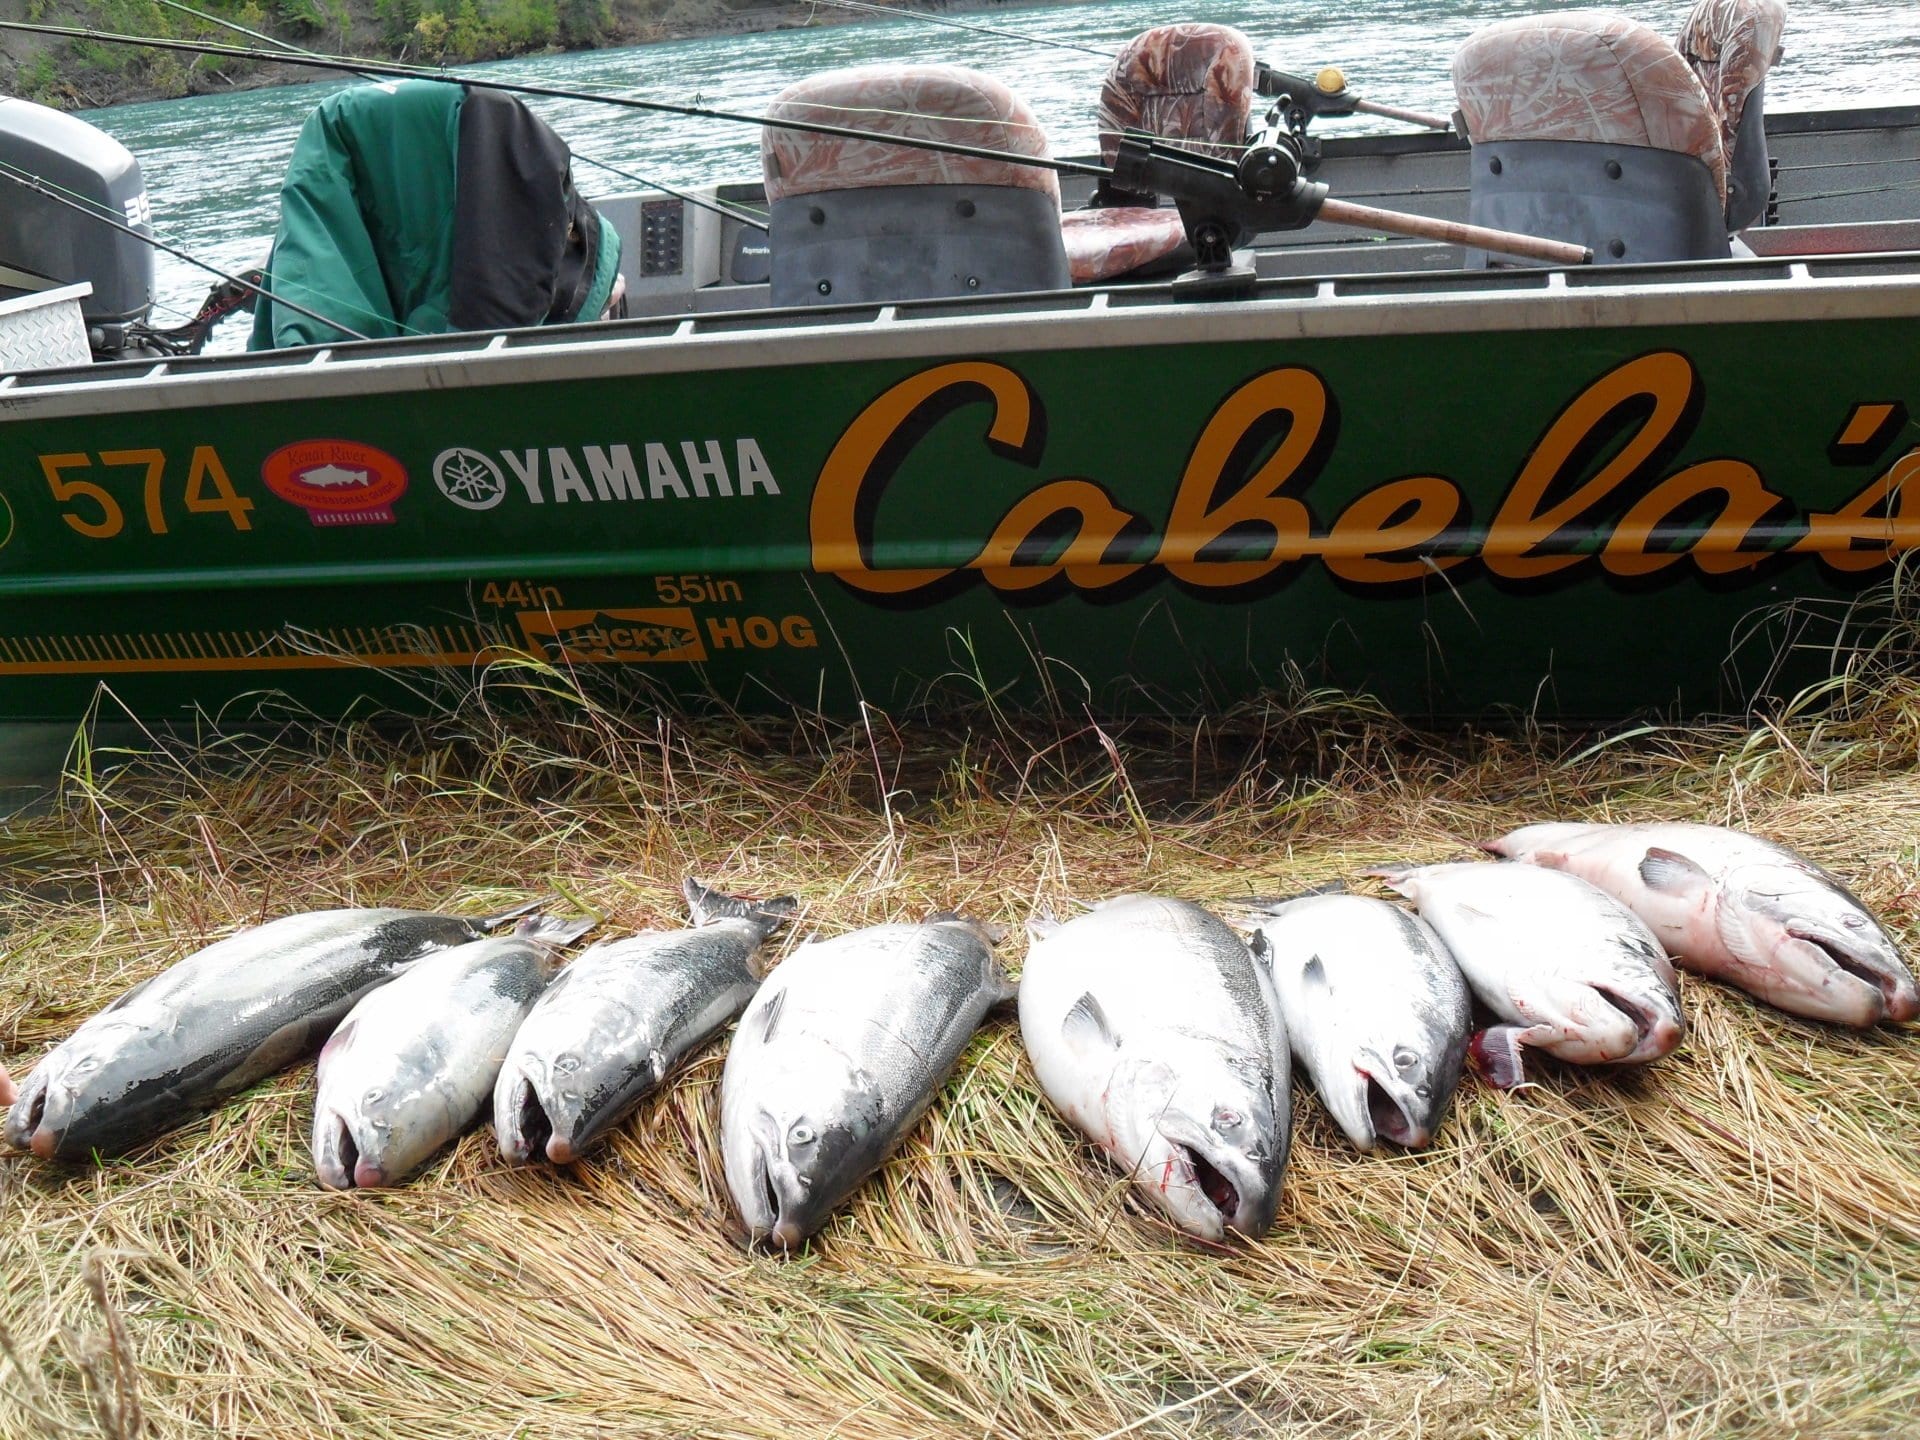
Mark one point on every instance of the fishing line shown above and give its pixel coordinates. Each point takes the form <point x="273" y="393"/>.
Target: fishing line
<point x="626" y="102"/>
<point x="899" y="14"/>
<point x="30" y="181"/>
<point x="718" y="207"/>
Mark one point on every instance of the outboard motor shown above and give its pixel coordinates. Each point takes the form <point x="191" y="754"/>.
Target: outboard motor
<point x="1590" y="127"/>
<point x="45" y="244"/>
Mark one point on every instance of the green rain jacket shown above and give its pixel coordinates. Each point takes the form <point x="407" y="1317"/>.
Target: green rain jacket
<point x="424" y="207"/>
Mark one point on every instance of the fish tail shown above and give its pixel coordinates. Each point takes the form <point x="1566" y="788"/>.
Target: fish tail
<point x="550" y="930"/>
<point x="987" y="930"/>
<point x="1393" y="874"/>
<point x="708" y="905"/>
<point x="503" y="918"/>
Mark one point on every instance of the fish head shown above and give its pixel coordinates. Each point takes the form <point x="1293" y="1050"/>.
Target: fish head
<point x="1399" y="1092"/>
<point x="1210" y="1140"/>
<point x="85" y="1095"/>
<point x="370" y="1137"/>
<point x="1822" y="941"/>
<point x="804" y="1145"/>
<point x="1643" y="989"/>
<point x="542" y="1107"/>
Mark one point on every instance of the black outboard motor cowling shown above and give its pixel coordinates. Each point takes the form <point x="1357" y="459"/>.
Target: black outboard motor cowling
<point x="45" y="244"/>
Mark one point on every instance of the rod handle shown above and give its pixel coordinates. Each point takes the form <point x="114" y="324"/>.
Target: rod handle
<point x="1452" y="232"/>
<point x="1394" y="112"/>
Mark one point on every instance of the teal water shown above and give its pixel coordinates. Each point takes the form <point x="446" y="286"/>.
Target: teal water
<point x="213" y="164"/>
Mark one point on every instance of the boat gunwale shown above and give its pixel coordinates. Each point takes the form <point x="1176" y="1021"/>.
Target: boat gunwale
<point x="1812" y="289"/>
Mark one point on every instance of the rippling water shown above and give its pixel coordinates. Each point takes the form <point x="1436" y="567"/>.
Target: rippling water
<point x="213" y="164"/>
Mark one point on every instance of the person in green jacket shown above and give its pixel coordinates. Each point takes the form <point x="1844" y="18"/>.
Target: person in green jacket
<point x="423" y="207"/>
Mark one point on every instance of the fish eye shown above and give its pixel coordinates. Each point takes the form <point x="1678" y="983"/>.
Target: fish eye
<point x="1854" y="922"/>
<point x="1406" y="1058"/>
<point x="801" y="1134"/>
<point x="566" y="1064"/>
<point x="86" y="1063"/>
<point x="374" y="1097"/>
<point x="1225" y="1119"/>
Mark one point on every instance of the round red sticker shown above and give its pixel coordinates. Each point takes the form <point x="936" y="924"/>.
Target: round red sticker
<point x="337" y="482"/>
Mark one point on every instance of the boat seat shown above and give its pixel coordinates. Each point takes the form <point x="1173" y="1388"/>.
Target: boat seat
<point x="1192" y="83"/>
<point x="1731" y="45"/>
<point x="865" y="221"/>
<point x="1588" y="126"/>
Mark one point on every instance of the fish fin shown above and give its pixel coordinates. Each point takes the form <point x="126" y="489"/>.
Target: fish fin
<point x="547" y="930"/>
<point x="708" y="905"/>
<point x="127" y="997"/>
<point x="1671" y="872"/>
<point x="1396" y="876"/>
<point x="1314" y="974"/>
<point x="1085" y="1026"/>
<point x="1496" y="1056"/>
<point x="1261" y="949"/>
<point x="501" y="919"/>
<point x="770" y="1017"/>
<point x="1041" y="925"/>
<point x="1003" y="990"/>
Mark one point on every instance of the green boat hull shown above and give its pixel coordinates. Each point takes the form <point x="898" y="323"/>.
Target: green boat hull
<point x="1458" y="510"/>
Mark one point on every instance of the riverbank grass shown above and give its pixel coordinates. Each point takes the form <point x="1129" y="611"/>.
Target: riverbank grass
<point x="1725" y="1244"/>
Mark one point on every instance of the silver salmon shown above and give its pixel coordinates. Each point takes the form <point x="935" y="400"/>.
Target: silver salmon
<point x="1377" y="1011"/>
<point x="837" y="1058"/>
<point x="1153" y="1029"/>
<point x="413" y="1063"/>
<point x="216" y="1022"/>
<point x="621" y="1017"/>
<point x="1741" y="909"/>
<point x="1567" y="968"/>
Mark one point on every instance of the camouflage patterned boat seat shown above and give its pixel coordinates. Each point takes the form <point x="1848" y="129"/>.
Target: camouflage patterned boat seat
<point x="1192" y="83"/>
<point x="1588" y="126"/>
<point x="866" y="221"/>
<point x="1731" y="45"/>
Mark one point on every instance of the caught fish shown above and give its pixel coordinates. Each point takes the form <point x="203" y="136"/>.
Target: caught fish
<point x="1153" y="1029"/>
<point x="1740" y="909"/>
<point x="1377" y="1011"/>
<point x="620" y="1017"/>
<point x="1566" y="967"/>
<point x="218" y="1021"/>
<point x="413" y="1063"/>
<point x="838" y="1056"/>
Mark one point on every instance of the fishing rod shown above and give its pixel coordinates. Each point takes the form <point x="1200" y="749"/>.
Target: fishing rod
<point x="718" y="207"/>
<point x="951" y="24"/>
<point x="555" y="92"/>
<point x="28" y="180"/>
<point x="1326" y="94"/>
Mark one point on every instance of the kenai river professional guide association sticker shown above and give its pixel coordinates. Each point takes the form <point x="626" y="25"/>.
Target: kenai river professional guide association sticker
<point x="337" y="482"/>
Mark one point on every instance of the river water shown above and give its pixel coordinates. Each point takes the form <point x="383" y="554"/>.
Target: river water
<point x="213" y="164"/>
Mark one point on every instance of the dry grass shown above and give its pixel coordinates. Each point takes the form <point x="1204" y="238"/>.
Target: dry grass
<point x="1727" y="1244"/>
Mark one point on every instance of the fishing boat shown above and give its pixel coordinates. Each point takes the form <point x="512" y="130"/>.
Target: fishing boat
<point x="1162" y="429"/>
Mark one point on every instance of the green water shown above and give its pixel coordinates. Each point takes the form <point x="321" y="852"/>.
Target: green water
<point x="213" y="164"/>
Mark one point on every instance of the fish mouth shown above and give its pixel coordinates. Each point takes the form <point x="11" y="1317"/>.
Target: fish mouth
<point x="530" y="1128"/>
<point x="1655" y="1032"/>
<point x="338" y="1161"/>
<point x="782" y="1230"/>
<point x="1221" y="1192"/>
<point x="1390" y="1118"/>
<point x="1897" y="1001"/>
<point x="42" y="1139"/>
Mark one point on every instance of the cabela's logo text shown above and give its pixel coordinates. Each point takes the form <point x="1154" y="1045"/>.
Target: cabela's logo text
<point x="1590" y="493"/>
